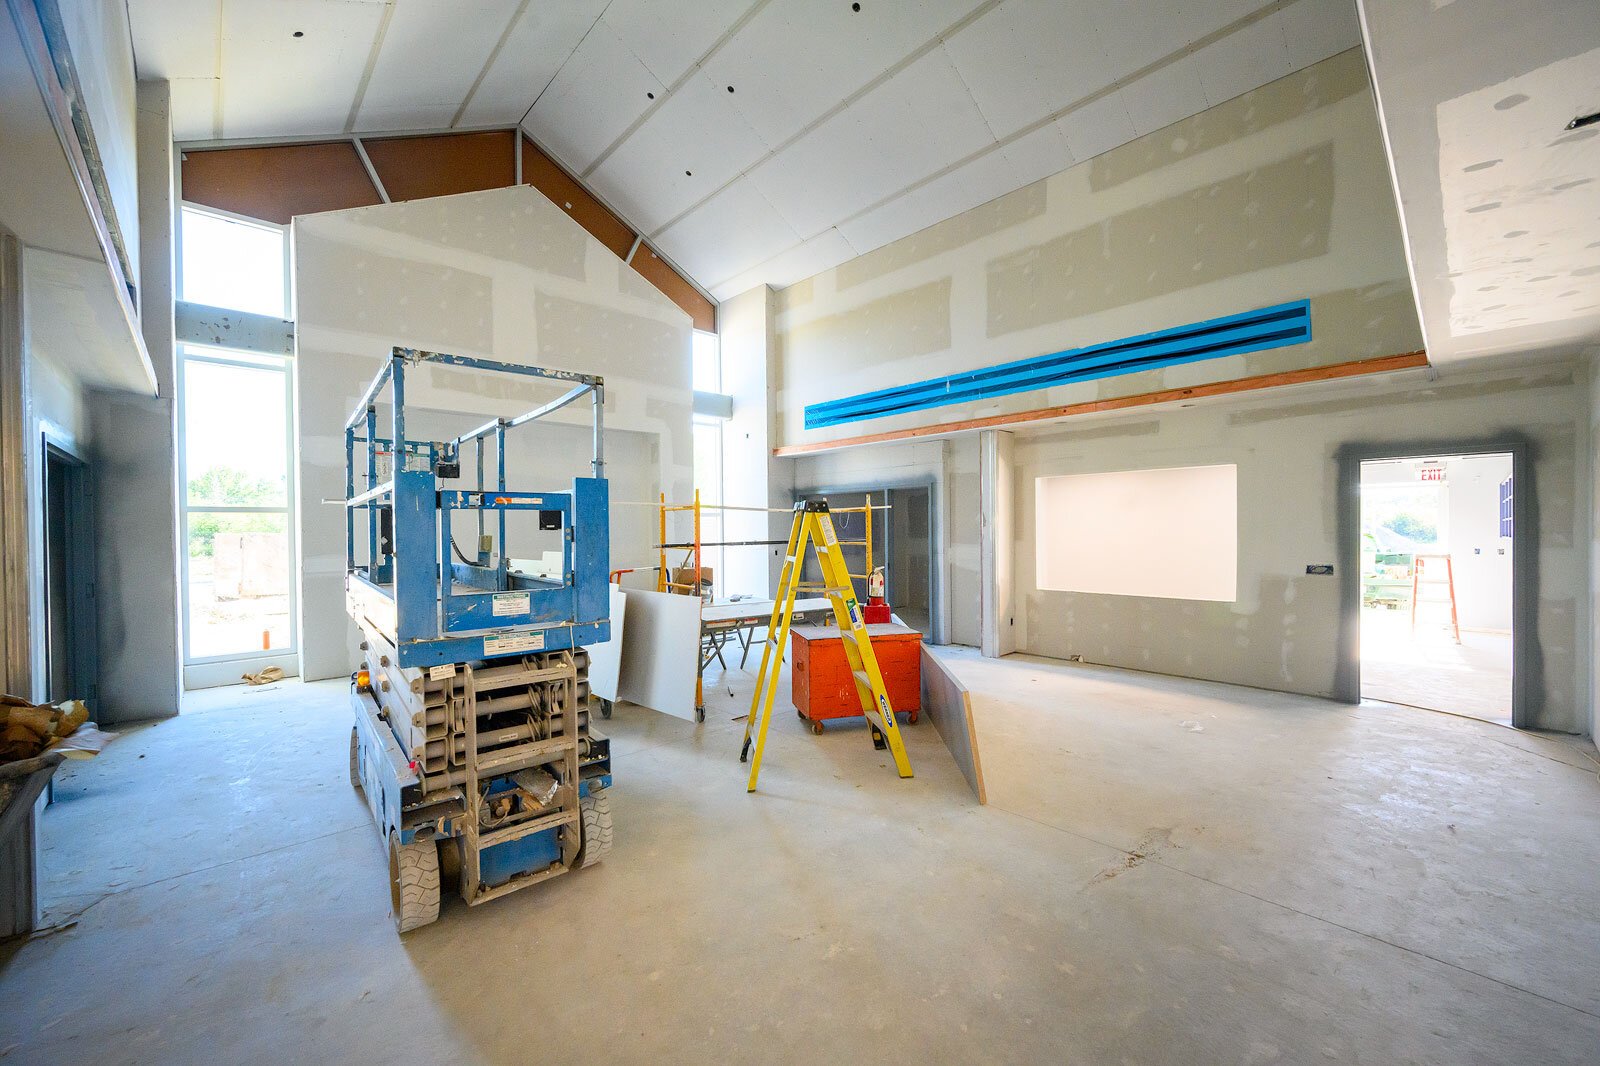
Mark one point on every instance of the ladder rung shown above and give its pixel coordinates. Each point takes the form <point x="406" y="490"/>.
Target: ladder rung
<point x="863" y="680"/>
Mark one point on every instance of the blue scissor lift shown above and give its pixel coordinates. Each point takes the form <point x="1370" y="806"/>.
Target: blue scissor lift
<point x="471" y="737"/>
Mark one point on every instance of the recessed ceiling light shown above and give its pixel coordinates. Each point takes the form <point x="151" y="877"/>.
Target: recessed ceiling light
<point x="687" y="174"/>
<point x="1584" y="120"/>
<point x="299" y="33"/>
<point x="730" y="88"/>
<point x="855" y="7"/>
<point x="651" y="96"/>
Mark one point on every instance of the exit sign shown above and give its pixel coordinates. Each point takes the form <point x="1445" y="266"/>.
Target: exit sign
<point x="1431" y="473"/>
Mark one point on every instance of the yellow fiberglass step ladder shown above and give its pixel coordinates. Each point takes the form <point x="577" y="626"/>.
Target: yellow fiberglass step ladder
<point x="813" y="525"/>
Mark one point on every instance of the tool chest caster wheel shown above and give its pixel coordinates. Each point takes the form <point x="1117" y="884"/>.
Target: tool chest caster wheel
<point x="605" y="708"/>
<point x="355" y="763"/>
<point x="595" y="809"/>
<point x="911" y="719"/>
<point x="413" y="882"/>
<point x="816" y="727"/>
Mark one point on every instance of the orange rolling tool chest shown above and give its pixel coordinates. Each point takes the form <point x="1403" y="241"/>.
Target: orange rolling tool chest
<point x="823" y="687"/>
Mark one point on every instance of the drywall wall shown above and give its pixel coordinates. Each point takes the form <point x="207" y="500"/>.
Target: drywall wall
<point x="950" y="470"/>
<point x="1479" y="556"/>
<point x="503" y="274"/>
<point x="136" y="606"/>
<point x="1591" y="366"/>
<point x="747" y="322"/>
<point x="1282" y="632"/>
<point x="1277" y="195"/>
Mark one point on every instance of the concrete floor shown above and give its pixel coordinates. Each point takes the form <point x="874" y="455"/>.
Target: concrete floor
<point x="1425" y="667"/>
<point x="1168" y="872"/>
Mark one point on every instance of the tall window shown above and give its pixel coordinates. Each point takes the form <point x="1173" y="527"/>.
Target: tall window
<point x="234" y="456"/>
<point x="707" y="362"/>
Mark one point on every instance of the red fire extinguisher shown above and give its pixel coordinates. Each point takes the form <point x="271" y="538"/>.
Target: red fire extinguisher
<point x="877" y="608"/>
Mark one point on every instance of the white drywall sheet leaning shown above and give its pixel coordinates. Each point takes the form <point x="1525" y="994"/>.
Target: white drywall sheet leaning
<point x="660" y="652"/>
<point x="948" y="706"/>
<point x="1171" y="533"/>
<point x="605" y="660"/>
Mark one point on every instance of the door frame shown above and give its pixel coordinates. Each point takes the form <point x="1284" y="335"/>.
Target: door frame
<point x="83" y="664"/>
<point x="937" y="617"/>
<point x="1527" y="679"/>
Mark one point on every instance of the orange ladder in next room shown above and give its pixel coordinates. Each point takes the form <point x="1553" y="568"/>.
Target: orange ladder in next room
<point x="1419" y="582"/>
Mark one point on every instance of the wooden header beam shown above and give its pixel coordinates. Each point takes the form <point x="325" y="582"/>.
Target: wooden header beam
<point x="1361" y="367"/>
<point x="276" y="181"/>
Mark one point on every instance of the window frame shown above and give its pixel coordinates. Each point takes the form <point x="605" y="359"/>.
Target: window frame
<point x="201" y="671"/>
<point x="187" y="352"/>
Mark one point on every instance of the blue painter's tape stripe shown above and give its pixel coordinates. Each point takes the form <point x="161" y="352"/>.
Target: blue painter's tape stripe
<point x="1251" y="331"/>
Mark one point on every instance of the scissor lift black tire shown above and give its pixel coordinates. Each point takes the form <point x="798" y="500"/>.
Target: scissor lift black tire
<point x="595" y="809"/>
<point x="355" y="763"/>
<point x="413" y="882"/>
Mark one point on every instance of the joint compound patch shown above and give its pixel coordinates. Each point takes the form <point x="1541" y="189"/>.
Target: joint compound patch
<point x="509" y="603"/>
<point x="513" y="644"/>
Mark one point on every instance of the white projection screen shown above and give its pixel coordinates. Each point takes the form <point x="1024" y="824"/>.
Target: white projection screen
<point x="1170" y="533"/>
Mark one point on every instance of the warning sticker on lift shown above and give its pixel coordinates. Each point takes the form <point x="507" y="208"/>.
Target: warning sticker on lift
<point x="511" y="603"/>
<point x="440" y="673"/>
<point x="515" y="644"/>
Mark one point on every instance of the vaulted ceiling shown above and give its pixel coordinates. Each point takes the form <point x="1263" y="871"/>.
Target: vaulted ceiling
<point x="750" y="140"/>
<point x="1499" y="186"/>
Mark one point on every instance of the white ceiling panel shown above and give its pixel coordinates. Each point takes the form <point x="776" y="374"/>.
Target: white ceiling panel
<point x="175" y="38"/>
<point x="1027" y="59"/>
<point x="797" y="59"/>
<point x="844" y="129"/>
<point x="1165" y="95"/>
<point x="690" y="148"/>
<point x="600" y="91"/>
<point x="1133" y="40"/>
<point x="923" y="118"/>
<point x="734" y="231"/>
<point x="1039" y="154"/>
<point x="915" y="124"/>
<point x="887" y="222"/>
<point x="823" y="252"/>
<point x="422" y="76"/>
<point x="1096" y="127"/>
<point x="671" y="38"/>
<point x="538" y="44"/>
<point x="274" y="83"/>
<point x="945" y="196"/>
<point x="966" y="187"/>
<point x="1203" y="19"/>
<point x="1314" y="30"/>
<point x="829" y="174"/>
<point x="1245" y="60"/>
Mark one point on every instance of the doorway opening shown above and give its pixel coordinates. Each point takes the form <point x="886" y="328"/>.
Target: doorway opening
<point x="1436" y="579"/>
<point x="902" y="545"/>
<point x="71" y="657"/>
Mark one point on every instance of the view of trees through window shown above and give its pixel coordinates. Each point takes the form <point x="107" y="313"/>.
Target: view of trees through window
<point x="236" y="464"/>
